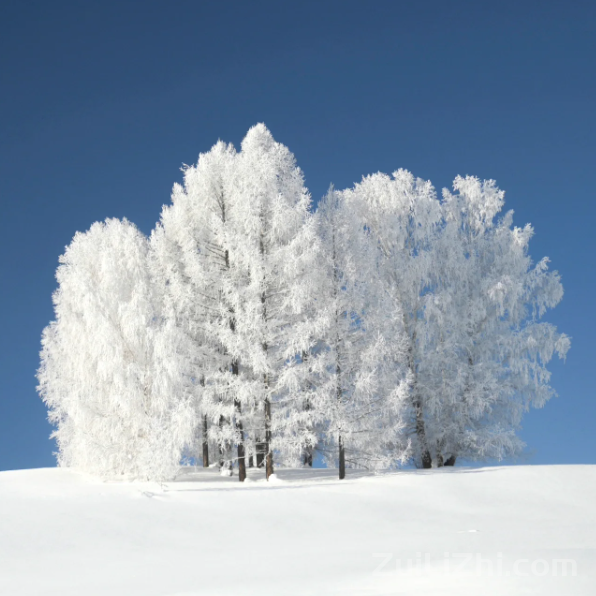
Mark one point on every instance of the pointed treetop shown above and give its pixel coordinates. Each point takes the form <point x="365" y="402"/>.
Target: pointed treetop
<point x="258" y="136"/>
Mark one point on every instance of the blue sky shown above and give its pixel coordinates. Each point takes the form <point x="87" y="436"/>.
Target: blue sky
<point x="102" y="102"/>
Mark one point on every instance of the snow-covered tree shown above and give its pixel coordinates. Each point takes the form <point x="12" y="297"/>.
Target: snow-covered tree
<point x="109" y="365"/>
<point x="274" y="255"/>
<point x="192" y="242"/>
<point x="403" y="215"/>
<point x="243" y="246"/>
<point x="491" y="350"/>
<point x="470" y="302"/>
<point x="362" y="388"/>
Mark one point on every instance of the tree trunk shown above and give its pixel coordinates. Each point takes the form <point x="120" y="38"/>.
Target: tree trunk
<point x="236" y="372"/>
<point x="241" y="458"/>
<point x="307" y="450"/>
<point x="221" y="446"/>
<point x="342" y="459"/>
<point x="427" y="461"/>
<point x="440" y="460"/>
<point x="450" y="461"/>
<point x="426" y="458"/>
<point x="269" y="455"/>
<point x="265" y="348"/>
<point x="338" y="380"/>
<point x="205" y="443"/>
<point x="239" y="427"/>
<point x="307" y="456"/>
<point x="261" y="450"/>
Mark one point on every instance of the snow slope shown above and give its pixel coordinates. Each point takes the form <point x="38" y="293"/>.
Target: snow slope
<point x="306" y="533"/>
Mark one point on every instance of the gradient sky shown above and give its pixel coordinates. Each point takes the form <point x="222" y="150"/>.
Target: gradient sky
<point x="102" y="102"/>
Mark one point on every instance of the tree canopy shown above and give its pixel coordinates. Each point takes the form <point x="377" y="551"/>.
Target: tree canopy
<point x="387" y="326"/>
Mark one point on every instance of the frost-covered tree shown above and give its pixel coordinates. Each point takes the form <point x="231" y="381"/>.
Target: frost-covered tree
<point x="274" y="255"/>
<point x="193" y="241"/>
<point x="403" y="215"/>
<point x="243" y="245"/>
<point x="109" y="364"/>
<point x="470" y="303"/>
<point x="491" y="350"/>
<point x="362" y="388"/>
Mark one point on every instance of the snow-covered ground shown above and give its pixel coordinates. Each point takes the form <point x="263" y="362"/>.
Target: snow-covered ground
<point x="507" y="531"/>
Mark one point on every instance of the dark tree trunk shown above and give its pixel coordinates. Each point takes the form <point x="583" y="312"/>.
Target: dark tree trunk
<point x="450" y="461"/>
<point x="308" y="448"/>
<point x="241" y="458"/>
<point x="425" y="456"/>
<point x="205" y="444"/>
<point x="269" y="465"/>
<point x="269" y="455"/>
<point x="342" y="459"/>
<point x="239" y="427"/>
<point x="265" y="347"/>
<point x="205" y="440"/>
<point x="236" y="372"/>
<point x="307" y="457"/>
<point x="221" y="447"/>
<point x="260" y="454"/>
<point x="440" y="460"/>
<point x="338" y="379"/>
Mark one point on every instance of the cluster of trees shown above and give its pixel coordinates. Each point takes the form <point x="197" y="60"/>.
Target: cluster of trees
<point x="385" y="326"/>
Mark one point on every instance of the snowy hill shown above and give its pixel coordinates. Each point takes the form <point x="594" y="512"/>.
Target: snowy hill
<point x="506" y="531"/>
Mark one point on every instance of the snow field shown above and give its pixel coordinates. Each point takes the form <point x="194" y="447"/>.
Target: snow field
<point x="490" y="531"/>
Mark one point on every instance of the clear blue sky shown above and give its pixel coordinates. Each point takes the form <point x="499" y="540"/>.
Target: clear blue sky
<point x="101" y="103"/>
